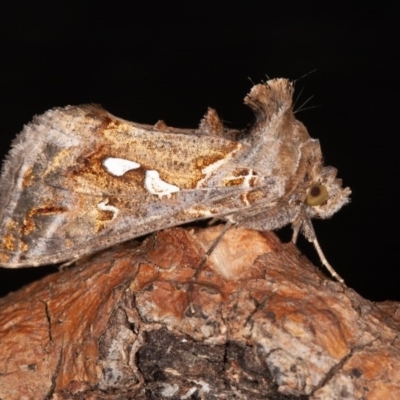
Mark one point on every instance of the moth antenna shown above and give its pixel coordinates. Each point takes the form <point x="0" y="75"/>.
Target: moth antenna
<point x="325" y="262"/>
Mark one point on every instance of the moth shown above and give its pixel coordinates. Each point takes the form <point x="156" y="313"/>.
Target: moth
<point x="78" y="179"/>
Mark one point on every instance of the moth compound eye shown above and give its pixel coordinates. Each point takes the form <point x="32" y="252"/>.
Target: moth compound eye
<point x="317" y="195"/>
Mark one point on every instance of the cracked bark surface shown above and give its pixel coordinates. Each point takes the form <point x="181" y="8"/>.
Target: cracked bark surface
<point x="259" y="322"/>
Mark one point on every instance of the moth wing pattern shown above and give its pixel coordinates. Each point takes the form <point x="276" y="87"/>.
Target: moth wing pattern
<point x="70" y="201"/>
<point x="79" y="179"/>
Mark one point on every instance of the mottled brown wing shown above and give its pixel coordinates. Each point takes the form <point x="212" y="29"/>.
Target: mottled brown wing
<point x="64" y="193"/>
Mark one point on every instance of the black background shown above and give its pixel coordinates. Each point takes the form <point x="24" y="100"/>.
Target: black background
<point x="171" y="61"/>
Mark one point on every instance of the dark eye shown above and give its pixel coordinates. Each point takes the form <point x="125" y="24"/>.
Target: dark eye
<point x="317" y="195"/>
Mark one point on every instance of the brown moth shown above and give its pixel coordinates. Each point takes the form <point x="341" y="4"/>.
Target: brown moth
<point x="79" y="179"/>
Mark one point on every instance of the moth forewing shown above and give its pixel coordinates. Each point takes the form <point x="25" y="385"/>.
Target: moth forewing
<point x="79" y="179"/>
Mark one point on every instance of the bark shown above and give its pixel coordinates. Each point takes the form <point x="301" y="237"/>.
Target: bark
<point x="259" y="321"/>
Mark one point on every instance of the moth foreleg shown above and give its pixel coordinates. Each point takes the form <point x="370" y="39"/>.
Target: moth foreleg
<point x="303" y="222"/>
<point x="325" y="261"/>
<point x="296" y="230"/>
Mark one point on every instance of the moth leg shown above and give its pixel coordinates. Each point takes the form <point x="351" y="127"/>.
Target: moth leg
<point x="326" y="263"/>
<point x="68" y="263"/>
<point x="304" y="223"/>
<point x="296" y="225"/>
<point x="78" y="258"/>
<point x="213" y="221"/>
<point x="200" y="267"/>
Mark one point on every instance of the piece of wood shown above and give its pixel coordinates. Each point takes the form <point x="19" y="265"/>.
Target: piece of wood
<point x="259" y="322"/>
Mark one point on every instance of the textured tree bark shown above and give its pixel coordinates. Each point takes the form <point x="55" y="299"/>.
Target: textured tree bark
<point x="258" y="322"/>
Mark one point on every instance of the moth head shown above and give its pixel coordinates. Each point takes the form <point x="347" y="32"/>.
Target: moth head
<point x="326" y="195"/>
